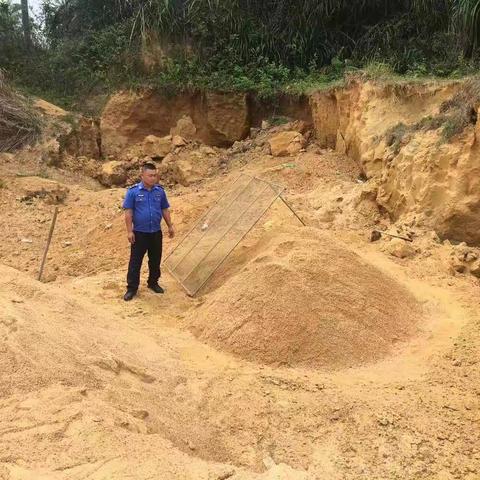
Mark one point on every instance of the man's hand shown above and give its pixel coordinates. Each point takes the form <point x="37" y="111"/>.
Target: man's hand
<point x="168" y="221"/>
<point x="129" y="225"/>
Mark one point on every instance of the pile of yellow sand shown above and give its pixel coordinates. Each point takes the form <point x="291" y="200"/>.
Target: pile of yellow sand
<point x="307" y="300"/>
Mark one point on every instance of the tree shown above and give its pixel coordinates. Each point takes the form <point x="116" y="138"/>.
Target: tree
<point x="26" y="25"/>
<point x="11" y="41"/>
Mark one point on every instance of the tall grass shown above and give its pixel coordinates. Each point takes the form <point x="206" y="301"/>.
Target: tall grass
<point x="90" y="45"/>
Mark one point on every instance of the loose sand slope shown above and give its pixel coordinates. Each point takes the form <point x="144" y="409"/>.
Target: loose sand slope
<point x="77" y="398"/>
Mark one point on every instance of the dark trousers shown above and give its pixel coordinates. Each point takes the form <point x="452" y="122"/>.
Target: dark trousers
<point x="144" y="242"/>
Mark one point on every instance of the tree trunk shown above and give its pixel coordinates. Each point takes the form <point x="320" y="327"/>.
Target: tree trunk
<point x="26" y="25"/>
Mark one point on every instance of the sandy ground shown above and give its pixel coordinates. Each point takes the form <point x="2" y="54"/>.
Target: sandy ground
<point x="95" y="388"/>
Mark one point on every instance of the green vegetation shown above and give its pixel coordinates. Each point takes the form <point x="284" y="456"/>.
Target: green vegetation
<point x="86" y="47"/>
<point x="278" y="120"/>
<point x="454" y="116"/>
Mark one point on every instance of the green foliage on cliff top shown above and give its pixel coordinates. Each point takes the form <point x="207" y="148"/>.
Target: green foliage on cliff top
<point x="85" y="47"/>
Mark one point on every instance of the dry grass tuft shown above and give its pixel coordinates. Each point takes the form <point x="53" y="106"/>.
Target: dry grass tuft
<point x="20" y="125"/>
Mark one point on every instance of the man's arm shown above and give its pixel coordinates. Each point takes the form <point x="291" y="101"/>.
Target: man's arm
<point x="129" y="224"/>
<point x="128" y="205"/>
<point x="168" y="221"/>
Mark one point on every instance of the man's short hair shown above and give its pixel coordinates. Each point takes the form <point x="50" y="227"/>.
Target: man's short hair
<point x="148" y="166"/>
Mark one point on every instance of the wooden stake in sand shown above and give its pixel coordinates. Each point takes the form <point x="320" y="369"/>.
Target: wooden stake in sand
<point x="47" y="246"/>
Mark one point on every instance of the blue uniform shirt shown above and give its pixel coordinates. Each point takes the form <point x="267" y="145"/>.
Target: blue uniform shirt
<point x="147" y="206"/>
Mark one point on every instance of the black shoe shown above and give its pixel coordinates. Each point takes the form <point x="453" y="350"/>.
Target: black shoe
<point x="156" y="288"/>
<point x="129" y="295"/>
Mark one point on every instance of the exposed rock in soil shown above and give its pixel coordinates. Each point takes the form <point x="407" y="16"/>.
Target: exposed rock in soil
<point x="286" y="143"/>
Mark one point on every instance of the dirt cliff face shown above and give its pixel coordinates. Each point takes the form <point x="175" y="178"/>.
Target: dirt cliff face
<point x="390" y="131"/>
<point x="128" y="117"/>
<point x="83" y="139"/>
<point x="437" y="185"/>
<point x="355" y="117"/>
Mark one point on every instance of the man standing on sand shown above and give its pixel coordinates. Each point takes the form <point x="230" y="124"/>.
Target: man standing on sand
<point x="145" y="205"/>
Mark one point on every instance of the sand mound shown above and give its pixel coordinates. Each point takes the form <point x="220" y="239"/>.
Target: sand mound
<point x="305" y="300"/>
